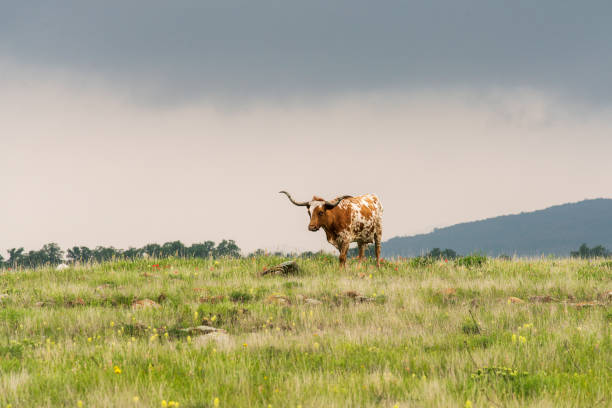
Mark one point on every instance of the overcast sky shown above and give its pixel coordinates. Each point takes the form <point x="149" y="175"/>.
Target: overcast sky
<point x="123" y="123"/>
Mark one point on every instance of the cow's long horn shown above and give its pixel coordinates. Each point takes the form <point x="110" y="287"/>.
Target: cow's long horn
<point x="305" y="203"/>
<point x="333" y="203"/>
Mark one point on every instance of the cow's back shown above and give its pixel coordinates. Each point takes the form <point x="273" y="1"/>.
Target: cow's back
<point x="366" y="217"/>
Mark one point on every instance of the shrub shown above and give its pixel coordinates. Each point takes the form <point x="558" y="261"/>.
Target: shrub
<point x="472" y="260"/>
<point x="421" y="261"/>
<point x="436" y="253"/>
<point x="240" y="296"/>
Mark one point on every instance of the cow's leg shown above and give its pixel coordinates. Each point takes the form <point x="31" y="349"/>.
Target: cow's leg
<point x="361" y="246"/>
<point x="377" y="238"/>
<point x="343" y="250"/>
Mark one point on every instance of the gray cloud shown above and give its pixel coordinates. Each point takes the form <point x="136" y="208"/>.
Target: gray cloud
<point x="172" y="51"/>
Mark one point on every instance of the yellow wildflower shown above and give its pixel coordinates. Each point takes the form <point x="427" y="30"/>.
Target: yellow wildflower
<point x="316" y="346"/>
<point x="164" y="403"/>
<point x="216" y="402"/>
<point x="189" y="339"/>
<point x="212" y="319"/>
<point x="468" y="404"/>
<point x="117" y="370"/>
<point x="112" y="324"/>
<point x="79" y="403"/>
<point x="135" y="399"/>
<point x="522" y="339"/>
<point x="514" y="338"/>
<point x="89" y="339"/>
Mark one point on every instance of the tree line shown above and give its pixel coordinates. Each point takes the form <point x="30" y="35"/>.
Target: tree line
<point x="598" y="251"/>
<point x="52" y="254"/>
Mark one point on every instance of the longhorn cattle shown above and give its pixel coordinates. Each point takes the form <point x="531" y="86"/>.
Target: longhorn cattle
<point x="346" y="219"/>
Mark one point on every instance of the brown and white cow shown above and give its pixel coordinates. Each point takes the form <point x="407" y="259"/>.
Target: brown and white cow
<point x="346" y="219"/>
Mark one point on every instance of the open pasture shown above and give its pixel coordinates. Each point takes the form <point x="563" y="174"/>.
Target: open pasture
<point x="410" y="334"/>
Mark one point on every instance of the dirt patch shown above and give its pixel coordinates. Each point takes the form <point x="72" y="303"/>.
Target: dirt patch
<point x="351" y="294"/>
<point x="75" y="302"/>
<point x="212" y="299"/>
<point x="145" y="304"/>
<point x="542" y="299"/>
<point x="278" y="299"/>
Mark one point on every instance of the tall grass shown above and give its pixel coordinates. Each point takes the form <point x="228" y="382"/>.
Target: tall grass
<point x="430" y="335"/>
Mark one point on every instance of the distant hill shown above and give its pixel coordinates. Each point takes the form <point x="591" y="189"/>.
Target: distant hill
<point x="555" y="230"/>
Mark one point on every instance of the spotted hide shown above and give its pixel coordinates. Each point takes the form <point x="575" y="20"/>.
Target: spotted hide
<point x="347" y="219"/>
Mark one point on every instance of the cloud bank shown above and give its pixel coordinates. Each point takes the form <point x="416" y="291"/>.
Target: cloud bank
<point x="237" y="50"/>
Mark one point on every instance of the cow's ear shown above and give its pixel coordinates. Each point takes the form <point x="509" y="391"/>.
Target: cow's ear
<point x="316" y="198"/>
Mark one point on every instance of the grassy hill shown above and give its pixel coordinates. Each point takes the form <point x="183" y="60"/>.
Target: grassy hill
<point x="556" y="230"/>
<point x="504" y="334"/>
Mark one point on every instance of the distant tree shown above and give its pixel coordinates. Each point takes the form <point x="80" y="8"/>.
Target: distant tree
<point x="311" y="255"/>
<point x="201" y="250"/>
<point x="74" y="254"/>
<point x="174" y="248"/>
<point x="369" y="252"/>
<point x="102" y="254"/>
<point x="228" y="249"/>
<point x="600" y="252"/>
<point x="15" y="257"/>
<point x="153" y="250"/>
<point x="132" y="253"/>
<point x="439" y="254"/>
<point x="53" y="253"/>
<point x="86" y="254"/>
<point x="34" y="259"/>
<point x="596" y="252"/>
<point x="258" y="253"/>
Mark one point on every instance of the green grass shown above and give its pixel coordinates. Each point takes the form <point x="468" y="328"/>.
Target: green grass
<point x="426" y="334"/>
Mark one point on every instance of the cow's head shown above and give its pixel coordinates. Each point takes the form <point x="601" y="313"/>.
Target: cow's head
<point x="318" y="210"/>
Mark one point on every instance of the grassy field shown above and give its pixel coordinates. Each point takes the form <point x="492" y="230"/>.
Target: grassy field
<point x="404" y="335"/>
